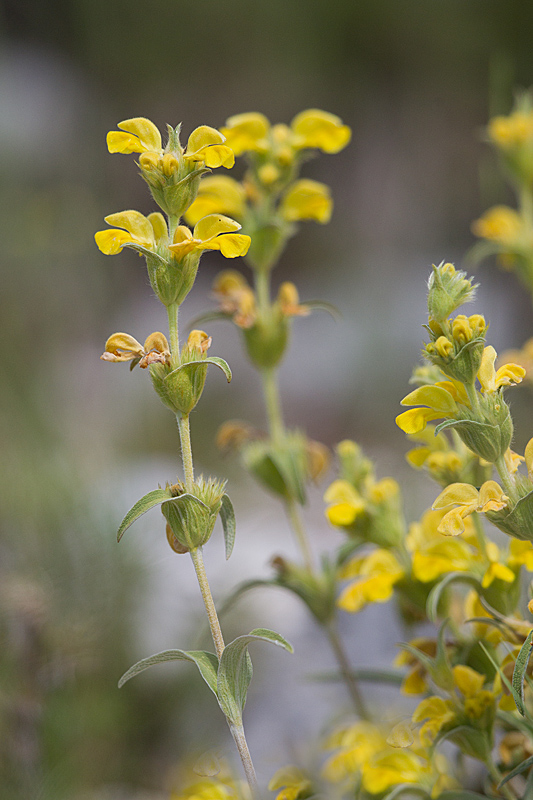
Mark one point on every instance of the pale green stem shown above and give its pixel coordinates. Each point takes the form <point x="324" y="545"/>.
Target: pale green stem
<point x="497" y="776"/>
<point x="173" y="222"/>
<point x="273" y="404"/>
<point x="262" y="290"/>
<point x="480" y="533"/>
<point x="186" y="450"/>
<point x="346" y="671"/>
<point x="295" y="518"/>
<point x="506" y="478"/>
<point x="212" y="616"/>
<point x="472" y="396"/>
<point x="172" y="311"/>
<point x="237" y="731"/>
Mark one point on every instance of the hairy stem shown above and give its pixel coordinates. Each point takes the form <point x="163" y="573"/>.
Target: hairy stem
<point x="212" y="616"/>
<point x="186" y="450"/>
<point x="237" y="731"/>
<point x="506" y="478"/>
<point x="295" y="518"/>
<point x="172" y="311"/>
<point x="273" y="404"/>
<point x="346" y="672"/>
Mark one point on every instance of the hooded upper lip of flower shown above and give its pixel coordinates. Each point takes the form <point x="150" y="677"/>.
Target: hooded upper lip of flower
<point x="467" y="498"/>
<point x="123" y="347"/>
<point x="140" y="135"/>
<point x="309" y="129"/>
<point x="214" y="232"/>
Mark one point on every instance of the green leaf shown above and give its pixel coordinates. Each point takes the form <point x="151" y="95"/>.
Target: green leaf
<point x="207" y="664"/>
<point x="207" y="316"/>
<point x="436" y="593"/>
<point x="517" y="770"/>
<point x="519" y="672"/>
<point x="412" y="788"/>
<point x="143" y="505"/>
<point x="501" y="673"/>
<point x="218" y="362"/>
<point x="235" y="671"/>
<point x="227" y="516"/>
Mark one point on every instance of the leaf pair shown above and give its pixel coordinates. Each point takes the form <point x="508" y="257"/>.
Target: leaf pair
<point x="228" y="678"/>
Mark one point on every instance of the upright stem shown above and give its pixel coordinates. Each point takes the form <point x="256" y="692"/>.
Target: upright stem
<point x="497" y="777"/>
<point x="480" y="533"/>
<point x="295" y="518"/>
<point x="172" y="312"/>
<point x="262" y="289"/>
<point x="212" y="616"/>
<point x="273" y="404"/>
<point x="237" y="731"/>
<point x="346" y="671"/>
<point x="186" y="450"/>
<point x="506" y="478"/>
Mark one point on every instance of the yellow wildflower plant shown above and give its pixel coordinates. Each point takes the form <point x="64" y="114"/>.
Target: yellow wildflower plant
<point x="499" y="224"/>
<point x="393" y="767"/>
<point x="140" y="135"/>
<point x="434" y="713"/>
<point x="290" y="783"/>
<point x="122" y="347"/>
<point x="346" y="503"/>
<point x="468" y="499"/>
<point x="214" y="232"/>
<point x="514" y="130"/>
<point x="218" y="194"/>
<point x="376" y="575"/>
<point x="307" y="199"/>
<point x="432" y="555"/>
<point x="354" y="745"/>
<point x="437" y="402"/>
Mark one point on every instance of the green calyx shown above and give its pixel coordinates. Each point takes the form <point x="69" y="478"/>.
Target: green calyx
<point x="448" y="289"/>
<point x="267" y="339"/>
<point x="180" y="387"/>
<point x="192" y="514"/>
<point x="486" y="430"/>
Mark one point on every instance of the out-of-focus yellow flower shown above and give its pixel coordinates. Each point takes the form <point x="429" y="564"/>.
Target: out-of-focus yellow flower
<point x="415" y="682"/>
<point x="309" y="129"/>
<point x="347" y="503"/>
<point x="496" y="569"/>
<point x="511" y="131"/>
<point x="235" y="297"/>
<point x="307" y="199"/>
<point x="123" y="347"/>
<point x="292" y="782"/>
<point x="214" y="232"/>
<point x="523" y="357"/>
<point x="492" y="380"/>
<point x="391" y="768"/>
<point x="434" y="713"/>
<point x="355" y="745"/>
<point x="499" y="224"/>
<point x="490" y="497"/>
<point x="288" y="301"/>
<point x="217" y="194"/>
<point x="431" y="554"/>
<point x="470" y="683"/>
<point x="438" y="400"/>
<point x="140" y="135"/>
<point x="376" y="574"/>
<point x="139" y="232"/>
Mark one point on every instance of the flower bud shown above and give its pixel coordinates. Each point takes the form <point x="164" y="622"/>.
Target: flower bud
<point x="192" y="514"/>
<point x="316" y="589"/>
<point x="282" y="467"/>
<point x="266" y="340"/>
<point x="448" y="289"/>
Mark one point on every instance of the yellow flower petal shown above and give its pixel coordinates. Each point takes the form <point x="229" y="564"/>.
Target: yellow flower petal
<point x="452" y="523"/>
<point x="497" y="571"/>
<point x="343" y="514"/>
<point x="203" y="137"/>
<point x="231" y="245"/>
<point x="307" y="199"/>
<point x="461" y="493"/>
<point x="467" y="680"/>
<point x="122" y="347"/>
<point x="136" y="224"/>
<point x="119" y="142"/>
<point x="315" y="128"/>
<point x="528" y="455"/>
<point x="486" y="373"/>
<point x="217" y="194"/>
<point x="146" y="131"/>
<point x="435" y="397"/>
<point x="491" y="497"/>
<point x="156" y="341"/>
<point x="244" y="131"/>
<point x="213" y="225"/>
<point x="111" y="241"/>
<point x="415" y="420"/>
<point x="159" y="226"/>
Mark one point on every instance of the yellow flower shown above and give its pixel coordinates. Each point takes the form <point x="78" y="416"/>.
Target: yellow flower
<point x="140" y="232"/>
<point x="347" y="503"/>
<point x="432" y="555"/>
<point x="512" y="131"/>
<point x="309" y="129"/>
<point x="415" y="682"/>
<point x="235" y="297"/>
<point x="490" y="497"/>
<point x="499" y="224"/>
<point x="139" y="135"/>
<point x="289" y="301"/>
<point x="434" y="712"/>
<point x="217" y="194"/>
<point x="377" y="574"/>
<point x="123" y="347"/>
<point x="439" y="402"/>
<point x="470" y="683"/>
<point x="492" y="380"/>
<point x="355" y="745"/>
<point x="315" y="128"/>
<point x="214" y="232"/>
<point x="292" y="782"/>
<point x="391" y="768"/>
<point x="307" y="199"/>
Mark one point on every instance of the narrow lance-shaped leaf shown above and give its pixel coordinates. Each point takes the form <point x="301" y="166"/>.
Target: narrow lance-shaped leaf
<point x="227" y="516"/>
<point x="519" y="673"/>
<point x="143" y="505"/>
<point x="218" y="362"/>
<point x="207" y="664"/>
<point x="409" y="788"/>
<point x="517" y="770"/>
<point x="435" y="594"/>
<point x="235" y="671"/>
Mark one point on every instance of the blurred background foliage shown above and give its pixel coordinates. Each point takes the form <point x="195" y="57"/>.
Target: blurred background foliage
<point x="416" y="80"/>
